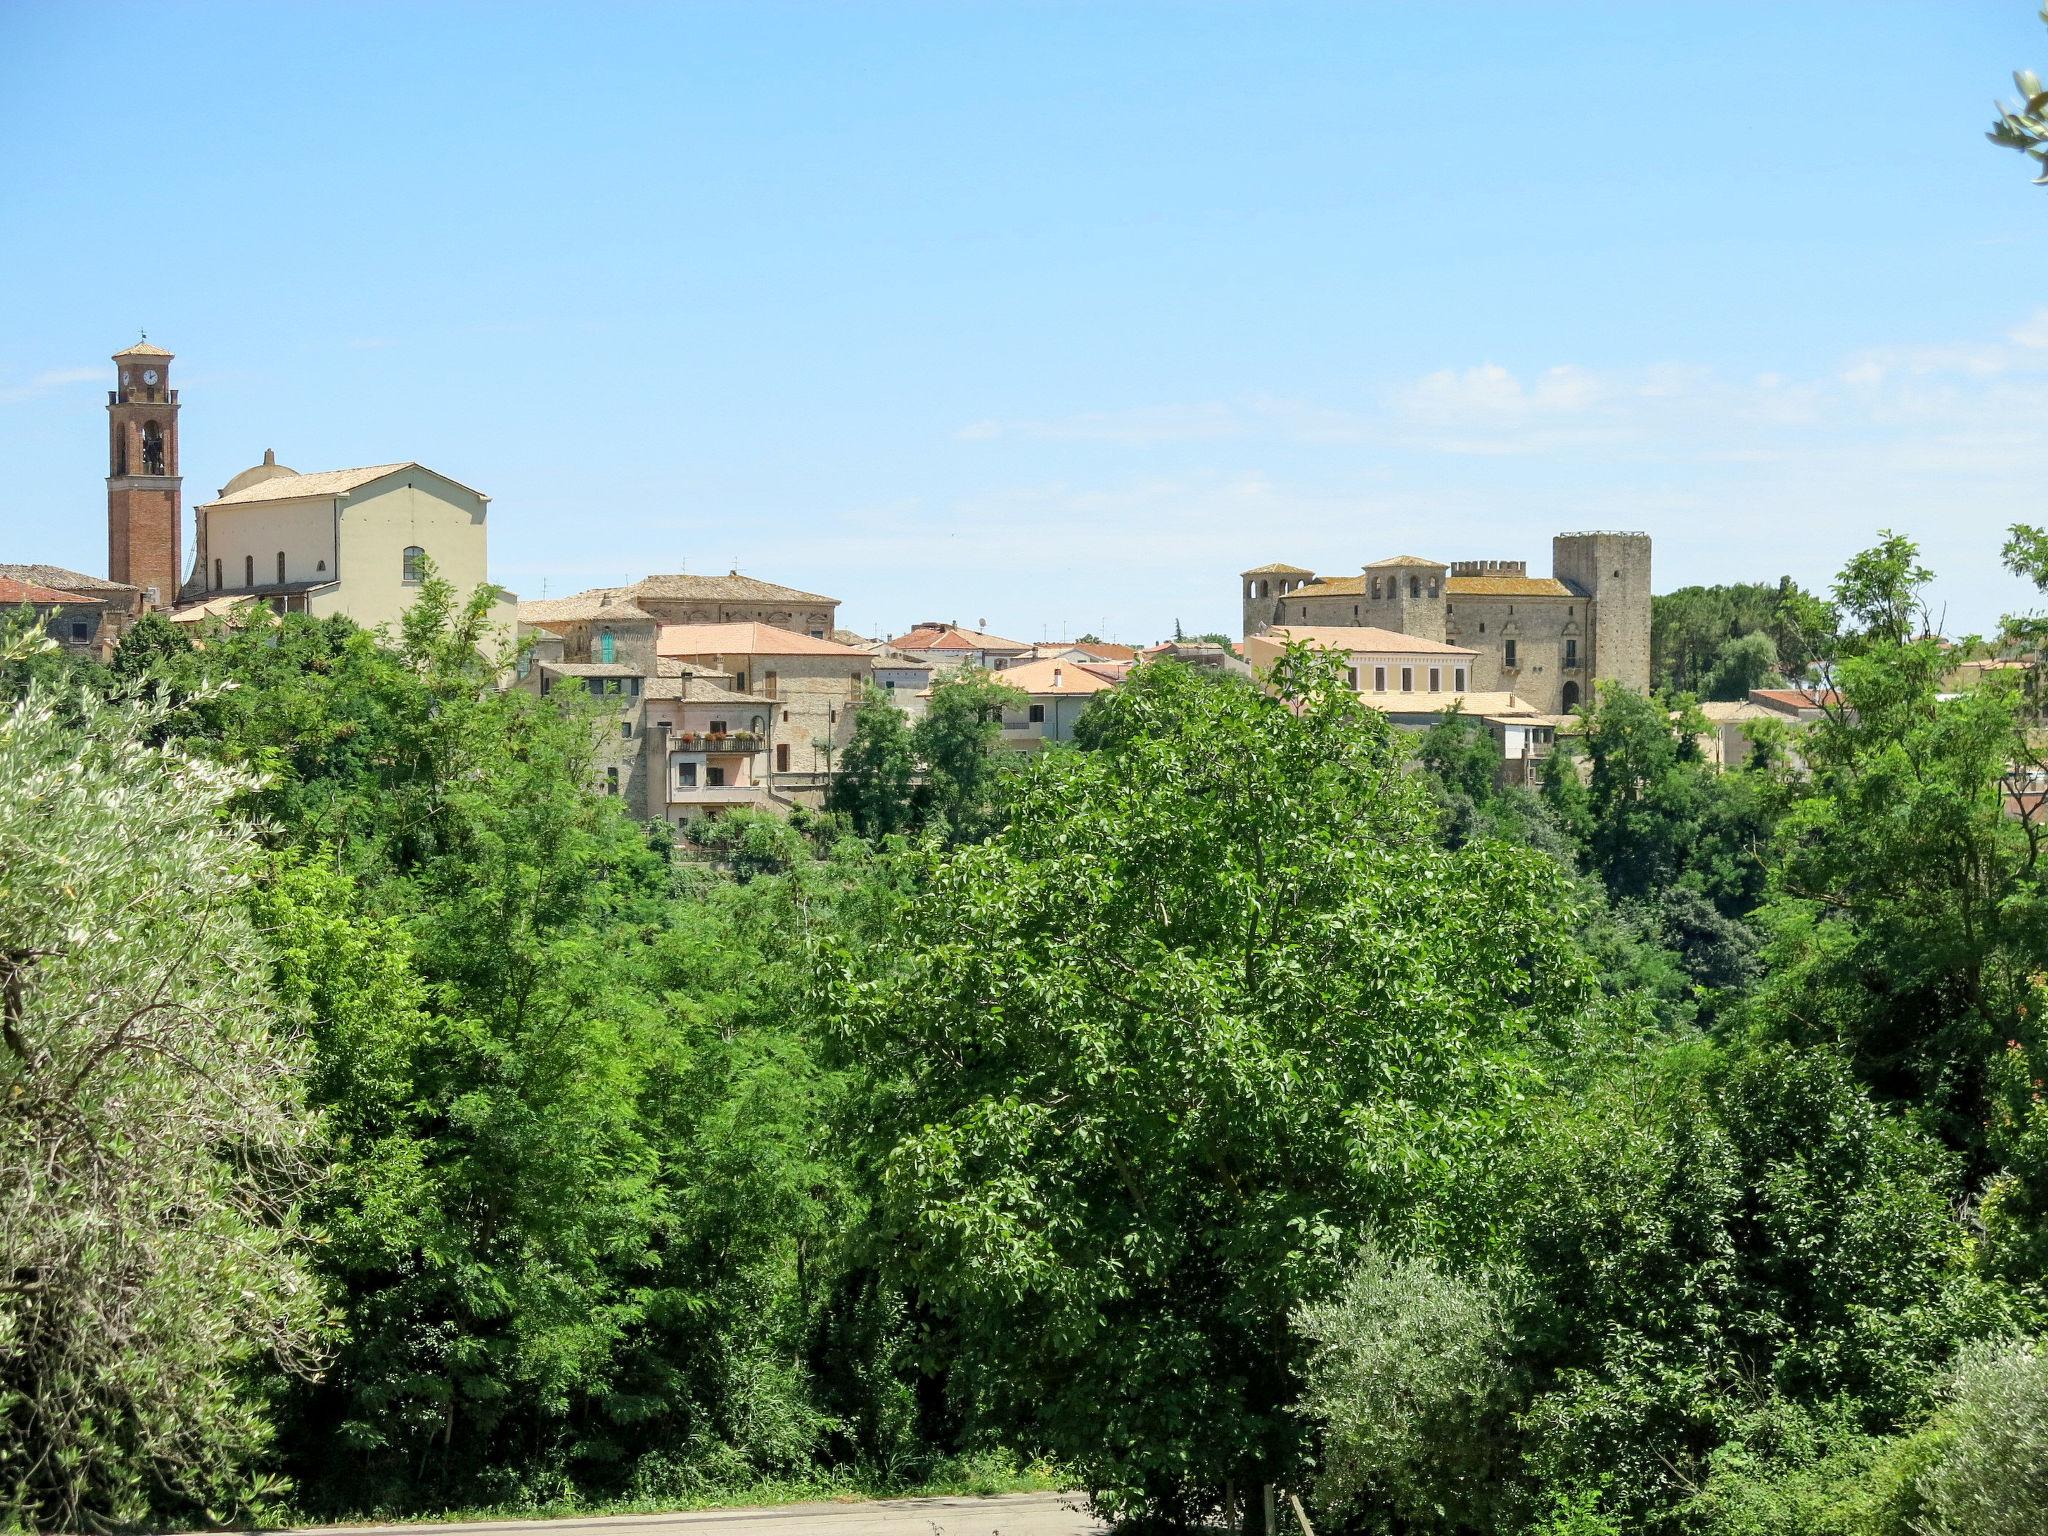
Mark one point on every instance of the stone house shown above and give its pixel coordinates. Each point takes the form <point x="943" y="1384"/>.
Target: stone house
<point x="811" y="686"/>
<point x="1546" y="639"/>
<point x="82" y="613"/>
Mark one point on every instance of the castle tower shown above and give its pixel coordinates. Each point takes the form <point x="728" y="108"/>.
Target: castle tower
<point x="145" y="509"/>
<point x="1406" y="594"/>
<point x="1613" y="571"/>
<point x="1264" y="586"/>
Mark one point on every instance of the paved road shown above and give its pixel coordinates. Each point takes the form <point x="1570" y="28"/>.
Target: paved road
<point x="1013" y="1514"/>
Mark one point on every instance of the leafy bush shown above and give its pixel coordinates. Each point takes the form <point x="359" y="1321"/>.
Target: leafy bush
<point x="1991" y="1477"/>
<point x="1410" y="1377"/>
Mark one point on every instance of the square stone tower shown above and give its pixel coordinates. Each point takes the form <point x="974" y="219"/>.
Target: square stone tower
<point x="1613" y="570"/>
<point x="145" y="495"/>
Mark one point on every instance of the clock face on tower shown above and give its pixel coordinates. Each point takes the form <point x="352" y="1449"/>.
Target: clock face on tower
<point x="149" y="375"/>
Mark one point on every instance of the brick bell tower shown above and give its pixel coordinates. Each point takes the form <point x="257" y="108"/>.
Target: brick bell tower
<point x="145" y="493"/>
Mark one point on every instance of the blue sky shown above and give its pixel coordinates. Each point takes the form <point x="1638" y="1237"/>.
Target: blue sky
<point x="1053" y="316"/>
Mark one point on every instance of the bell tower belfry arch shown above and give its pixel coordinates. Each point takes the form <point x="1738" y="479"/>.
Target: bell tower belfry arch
<point x="145" y="491"/>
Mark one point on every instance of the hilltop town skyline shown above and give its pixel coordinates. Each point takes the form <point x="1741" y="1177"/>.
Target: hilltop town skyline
<point x="1051" y="338"/>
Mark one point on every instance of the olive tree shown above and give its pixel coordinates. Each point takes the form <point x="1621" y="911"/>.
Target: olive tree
<point x="150" y="1130"/>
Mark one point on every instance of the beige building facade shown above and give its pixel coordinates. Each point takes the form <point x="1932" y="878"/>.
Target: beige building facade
<point x="355" y="542"/>
<point x="1546" y="639"/>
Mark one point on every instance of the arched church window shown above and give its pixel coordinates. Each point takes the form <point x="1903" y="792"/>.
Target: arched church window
<point x="1375" y="586"/>
<point x="248" y="570"/>
<point x="152" y="448"/>
<point x="415" y="563"/>
<point x="1415" y="586"/>
<point x="216" y="576"/>
<point x="606" y="649"/>
<point x="280" y="567"/>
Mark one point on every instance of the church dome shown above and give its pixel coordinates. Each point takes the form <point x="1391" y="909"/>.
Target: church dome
<point x="256" y="474"/>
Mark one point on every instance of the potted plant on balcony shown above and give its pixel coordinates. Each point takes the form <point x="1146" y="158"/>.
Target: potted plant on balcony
<point x="687" y="738"/>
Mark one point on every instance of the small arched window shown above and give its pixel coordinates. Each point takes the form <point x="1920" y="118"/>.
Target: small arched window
<point x="216" y="576"/>
<point x="280" y="567"/>
<point x="1415" y="586"/>
<point x="606" y="648"/>
<point x="248" y="570"/>
<point x="152" y="448"/>
<point x="415" y="563"/>
<point x="1375" y="586"/>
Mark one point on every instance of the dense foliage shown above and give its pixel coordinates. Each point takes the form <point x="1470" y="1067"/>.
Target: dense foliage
<point x="1248" y="1094"/>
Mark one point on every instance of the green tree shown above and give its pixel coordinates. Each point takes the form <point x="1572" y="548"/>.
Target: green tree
<point x="956" y="742"/>
<point x="1907" y="914"/>
<point x="1142" y="1065"/>
<point x="877" y="771"/>
<point x="151" y="1131"/>
<point x="1746" y="662"/>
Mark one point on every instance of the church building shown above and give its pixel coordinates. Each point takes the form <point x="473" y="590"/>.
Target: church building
<point x="340" y="541"/>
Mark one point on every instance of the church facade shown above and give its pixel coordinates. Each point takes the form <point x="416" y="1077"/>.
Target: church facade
<point x="1545" y="639"/>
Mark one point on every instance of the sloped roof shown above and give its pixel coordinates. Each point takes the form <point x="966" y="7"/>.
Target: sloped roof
<point x="589" y="669"/>
<point x="731" y="587"/>
<point x="1334" y="586"/>
<point x="690" y="687"/>
<point x="63" y="580"/>
<point x="745" y="638"/>
<point x="599" y="603"/>
<point x="1050" y="678"/>
<point x="14" y="592"/>
<point x="142" y="349"/>
<point x="951" y="637"/>
<point x="1279" y="568"/>
<point x="1491" y="706"/>
<point x="1362" y="637"/>
<point x="1507" y="586"/>
<point x="325" y="482"/>
<point x="1406" y="560"/>
<point x="1101" y="650"/>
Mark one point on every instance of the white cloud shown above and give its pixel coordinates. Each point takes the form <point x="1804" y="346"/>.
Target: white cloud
<point x="48" y="382"/>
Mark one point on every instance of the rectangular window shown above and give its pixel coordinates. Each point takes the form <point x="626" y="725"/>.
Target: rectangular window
<point x="1407" y="679"/>
<point x="782" y="758"/>
<point x="739" y="682"/>
<point x="1436" y="679"/>
<point x="1038" y="714"/>
<point x="611" y="781"/>
<point x="1351" y="678"/>
<point x="1379" y="679"/>
<point x="248" y="570"/>
<point x="686" y="775"/>
<point x="714" y="776"/>
<point x="625" y="728"/>
<point x="1508" y="656"/>
<point x="718" y="727"/>
<point x="78" y="630"/>
<point x="216" y="576"/>
<point x="1571" y="651"/>
<point x="1458" y="678"/>
<point x="280" y="567"/>
<point x="768" y="681"/>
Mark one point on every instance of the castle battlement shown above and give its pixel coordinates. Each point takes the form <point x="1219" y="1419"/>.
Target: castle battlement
<point x="1489" y="568"/>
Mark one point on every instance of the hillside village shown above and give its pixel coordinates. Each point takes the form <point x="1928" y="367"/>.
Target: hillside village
<point x="718" y="691"/>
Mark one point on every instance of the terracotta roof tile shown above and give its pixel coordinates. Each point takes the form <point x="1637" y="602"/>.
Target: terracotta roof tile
<point x="950" y="637"/>
<point x="731" y="587"/>
<point x="1340" y="637"/>
<point x="1507" y="586"/>
<point x="13" y="593"/>
<point x="745" y="639"/>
